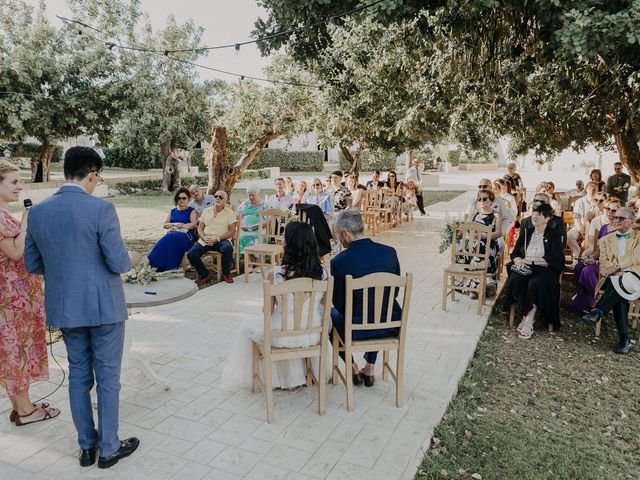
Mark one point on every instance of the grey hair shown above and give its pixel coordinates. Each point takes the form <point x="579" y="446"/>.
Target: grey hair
<point x="253" y="188"/>
<point x="195" y="187"/>
<point x="350" y="221"/>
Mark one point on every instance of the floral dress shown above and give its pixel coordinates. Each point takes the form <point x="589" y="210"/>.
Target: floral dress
<point x="249" y="222"/>
<point x="23" y="346"/>
<point x="484" y="219"/>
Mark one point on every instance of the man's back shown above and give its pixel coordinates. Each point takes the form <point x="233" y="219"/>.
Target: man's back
<point x="361" y="258"/>
<point x="74" y="240"/>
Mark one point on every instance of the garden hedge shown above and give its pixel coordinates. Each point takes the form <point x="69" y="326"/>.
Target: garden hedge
<point x="290" y="160"/>
<point x="144" y="159"/>
<point x="370" y="161"/>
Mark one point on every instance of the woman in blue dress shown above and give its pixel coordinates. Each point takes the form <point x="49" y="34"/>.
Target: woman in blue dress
<point x="181" y="222"/>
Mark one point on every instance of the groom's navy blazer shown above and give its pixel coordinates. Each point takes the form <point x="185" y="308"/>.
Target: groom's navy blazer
<point x="361" y="258"/>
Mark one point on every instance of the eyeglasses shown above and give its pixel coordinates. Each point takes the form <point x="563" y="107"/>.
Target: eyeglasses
<point x="621" y="219"/>
<point x="484" y="199"/>
<point x="317" y="184"/>
<point x="599" y="200"/>
<point x="484" y="186"/>
<point x="220" y="197"/>
<point x="183" y="198"/>
<point x="100" y="179"/>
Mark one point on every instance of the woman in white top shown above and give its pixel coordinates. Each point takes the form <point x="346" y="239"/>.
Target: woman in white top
<point x="300" y="260"/>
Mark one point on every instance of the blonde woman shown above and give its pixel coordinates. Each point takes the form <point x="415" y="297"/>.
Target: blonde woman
<point x="23" y="346"/>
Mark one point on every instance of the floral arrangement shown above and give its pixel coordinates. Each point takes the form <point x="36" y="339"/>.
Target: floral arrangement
<point x="143" y="273"/>
<point x="447" y="233"/>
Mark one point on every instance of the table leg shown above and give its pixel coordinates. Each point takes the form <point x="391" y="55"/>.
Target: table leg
<point x="135" y="360"/>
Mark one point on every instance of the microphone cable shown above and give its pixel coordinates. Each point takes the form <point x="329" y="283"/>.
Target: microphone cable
<point x="64" y="374"/>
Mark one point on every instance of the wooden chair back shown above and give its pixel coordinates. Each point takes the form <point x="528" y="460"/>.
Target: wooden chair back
<point x="573" y="200"/>
<point x="272" y="224"/>
<point x="567" y="217"/>
<point x="467" y="242"/>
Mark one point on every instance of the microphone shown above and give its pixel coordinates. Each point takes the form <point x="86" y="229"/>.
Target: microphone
<point x="27" y="203"/>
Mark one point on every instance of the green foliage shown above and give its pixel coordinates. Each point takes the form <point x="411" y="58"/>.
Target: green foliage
<point x="454" y="157"/>
<point x="31" y="149"/>
<point x="143" y="158"/>
<point x="290" y="161"/>
<point x="197" y="158"/>
<point x="372" y="160"/>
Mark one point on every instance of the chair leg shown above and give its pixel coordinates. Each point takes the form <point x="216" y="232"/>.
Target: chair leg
<point x="268" y="389"/>
<point x="308" y="372"/>
<point x="256" y="368"/>
<point x="445" y="286"/>
<point x="481" y="293"/>
<point x="400" y="377"/>
<point x="322" y="382"/>
<point x="598" y="328"/>
<point x="246" y="267"/>
<point x="385" y="362"/>
<point x="512" y="315"/>
<point x="219" y="268"/>
<point x="348" y="375"/>
<point x="334" y="360"/>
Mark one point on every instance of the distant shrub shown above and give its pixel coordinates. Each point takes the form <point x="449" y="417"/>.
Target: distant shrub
<point x="372" y="160"/>
<point x="290" y="161"/>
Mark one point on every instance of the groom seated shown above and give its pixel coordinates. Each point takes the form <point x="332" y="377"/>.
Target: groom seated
<point x="361" y="256"/>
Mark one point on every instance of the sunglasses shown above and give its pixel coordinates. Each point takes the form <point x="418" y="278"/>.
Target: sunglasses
<point x="621" y="219"/>
<point x="599" y="200"/>
<point x="483" y="199"/>
<point x="484" y="186"/>
<point x="220" y="197"/>
<point x="183" y="198"/>
<point x="317" y="184"/>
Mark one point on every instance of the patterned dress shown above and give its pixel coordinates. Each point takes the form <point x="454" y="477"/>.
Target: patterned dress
<point x="249" y="222"/>
<point x="23" y="346"/>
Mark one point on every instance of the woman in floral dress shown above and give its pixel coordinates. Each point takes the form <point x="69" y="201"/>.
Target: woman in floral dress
<point x="249" y="212"/>
<point x="23" y="346"/>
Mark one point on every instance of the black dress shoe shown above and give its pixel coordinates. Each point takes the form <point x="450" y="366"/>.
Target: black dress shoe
<point x="623" y="346"/>
<point x="591" y="318"/>
<point x="127" y="447"/>
<point x="369" y="380"/>
<point x="358" y="378"/>
<point x="88" y="456"/>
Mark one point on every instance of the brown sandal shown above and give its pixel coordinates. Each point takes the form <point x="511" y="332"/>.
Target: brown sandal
<point x="14" y="414"/>
<point x="48" y="414"/>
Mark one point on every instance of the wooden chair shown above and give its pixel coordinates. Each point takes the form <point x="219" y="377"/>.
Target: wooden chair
<point x="370" y="210"/>
<point x="268" y="250"/>
<point x="633" y="316"/>
<point x="385" y="209"/>
<point x="466" y="243"/>
<point x="297" y="290"/>
<point x="374" y="284"/>
<point x="567" y="217"/>
<point x="572" y="201"/>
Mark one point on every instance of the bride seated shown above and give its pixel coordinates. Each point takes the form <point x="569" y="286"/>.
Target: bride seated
<point x="300" y="260"/>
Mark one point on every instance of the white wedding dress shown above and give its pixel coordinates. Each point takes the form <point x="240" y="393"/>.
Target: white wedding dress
<point x="285" y="373"/>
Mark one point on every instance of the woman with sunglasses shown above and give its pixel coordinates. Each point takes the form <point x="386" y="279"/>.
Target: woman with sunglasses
<point x="485" y="215"/>
<point x="596" y="176"/>
<point x="396" y="190"/>
<point x="320" y="197"/>
<point x="181" y="222"/>
<point x="587" y="271"/>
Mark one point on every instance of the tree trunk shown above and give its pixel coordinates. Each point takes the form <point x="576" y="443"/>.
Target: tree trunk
<point x="41" y="164"/>
<point x="629" y="153"/>
<point x="353" y="160"/>
<point x="223" y="176"/>
<point x="170" y="167"/>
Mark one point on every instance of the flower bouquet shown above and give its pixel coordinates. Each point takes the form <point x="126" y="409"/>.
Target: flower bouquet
<point x="447" y="233"/>
<point x="143" y="273"/>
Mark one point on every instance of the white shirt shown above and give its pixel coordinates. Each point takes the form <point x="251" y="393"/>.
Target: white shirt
<point x="207" y="201"/>
<point x="283" y="203"/>
<point x="536" y="247"/>
<point x="581" y="207"/>
<point x="622" y="246"/>
<point x="413" y="173"/>
<point x="596" y="224"/>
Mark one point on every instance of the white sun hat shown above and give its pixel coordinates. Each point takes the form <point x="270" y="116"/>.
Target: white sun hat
<point x="627" y="285"/>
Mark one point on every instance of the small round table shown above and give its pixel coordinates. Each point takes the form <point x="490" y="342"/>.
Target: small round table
<point x="153" y="294"/>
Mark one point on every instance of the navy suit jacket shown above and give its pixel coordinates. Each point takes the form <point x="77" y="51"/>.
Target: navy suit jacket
<point x="362" y="257"/>
<point x="73" y="239"/>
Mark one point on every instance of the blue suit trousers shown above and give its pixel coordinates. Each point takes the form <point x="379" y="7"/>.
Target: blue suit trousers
<point x="95" y="350"/>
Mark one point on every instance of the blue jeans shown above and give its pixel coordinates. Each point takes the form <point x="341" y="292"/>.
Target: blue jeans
<point x="338" y="323"/>
<point x="224" y="247"/>
<point x="95" y="350"/>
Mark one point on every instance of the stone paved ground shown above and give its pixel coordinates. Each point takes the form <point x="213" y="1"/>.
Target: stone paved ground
<point x="199" y="431"/>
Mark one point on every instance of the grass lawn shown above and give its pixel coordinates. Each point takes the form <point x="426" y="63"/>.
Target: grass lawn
<point x="559" y="406"/>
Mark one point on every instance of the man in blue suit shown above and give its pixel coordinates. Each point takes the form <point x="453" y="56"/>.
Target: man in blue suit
<point x="361" y="257"/>
<point x="73" y="239"/>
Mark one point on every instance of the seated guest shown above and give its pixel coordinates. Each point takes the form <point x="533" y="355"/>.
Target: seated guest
<point x="318" y="196"/>
<point x="500" y="189"/>
<point x="200" y="200"/>
<point x="580" y="210"/>
<point x="534" y="274"/>
<point x="341" y="195"/>
<point x="579" y="190"/>
<point x="550" y="189"/>
<point x="181" y="222"/>
<point x="555" y="223"/>
<point x="598" y="207"/>
<point x="300" y="260"/>
<point x="485" y="215"/>
<point x="507" y="215"/>
<point x="586" y="271"/>
<point x="619" y="267"/>
<point x="375" y="183"/>
<point x="249" y="213"/>
<point x="357" y="260"/>
<point x="289" y="186"/>
<point x="393" y="202"/>
<point x="596" y="176"/>
<point x="300" y="195"/>
<point x="281" y="200"/>
<point x="356" y="193"/>
<point x="216" y="229"/>
<point x="514" y="177"/>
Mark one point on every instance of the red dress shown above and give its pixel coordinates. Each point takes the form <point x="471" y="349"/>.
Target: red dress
<point x="23" y="346"/>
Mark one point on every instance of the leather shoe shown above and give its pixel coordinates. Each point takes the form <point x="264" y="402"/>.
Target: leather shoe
<point x="369" y="380"/>
<point x="205" y="280"/>
<point x="591" y="318"/>
<point x="227" y="278"/>
<point x="127" y="447"/>
<point x="358" y="378"/>
<point x="623" y="346"/>
<point x="88" y="456"/>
